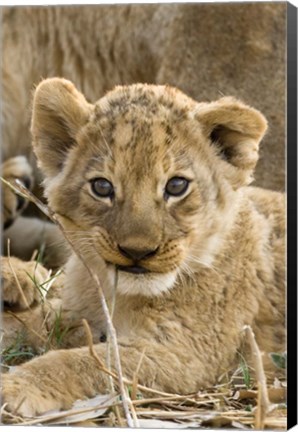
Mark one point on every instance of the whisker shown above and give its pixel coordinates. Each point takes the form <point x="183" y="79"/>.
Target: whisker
<point x="195" y="260"/>
<point x="181" y="276"/>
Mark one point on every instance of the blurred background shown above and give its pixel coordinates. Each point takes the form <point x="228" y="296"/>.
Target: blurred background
<point x="207" y="50"/>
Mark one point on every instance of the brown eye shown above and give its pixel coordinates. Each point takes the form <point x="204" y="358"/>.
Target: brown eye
<point x="101" y="187"/>
<point x="176" y="186"/>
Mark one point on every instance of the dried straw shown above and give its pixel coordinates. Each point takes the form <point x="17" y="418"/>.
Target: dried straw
<point x="20" y="189"/>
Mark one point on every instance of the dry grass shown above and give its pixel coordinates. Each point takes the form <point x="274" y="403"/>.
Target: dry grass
<point x="227" y="405"/>
<point x="235" y="402"/>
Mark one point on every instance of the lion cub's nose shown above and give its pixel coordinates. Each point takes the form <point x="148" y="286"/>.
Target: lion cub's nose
<point x="136" y="254"/>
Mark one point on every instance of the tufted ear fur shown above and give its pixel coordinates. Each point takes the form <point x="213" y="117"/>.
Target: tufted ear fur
<point x="59" y="112"/>
<point x="236" y="130"/>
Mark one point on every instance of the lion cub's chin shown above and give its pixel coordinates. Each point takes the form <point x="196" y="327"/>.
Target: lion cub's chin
<point x="149" y="284"/>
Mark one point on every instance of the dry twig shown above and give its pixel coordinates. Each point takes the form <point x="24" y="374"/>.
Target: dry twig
<point x="135" y="377"/>
<point x="263" y="406"/>
<point x="195" y="410"/>
<point x="20" y="189"/>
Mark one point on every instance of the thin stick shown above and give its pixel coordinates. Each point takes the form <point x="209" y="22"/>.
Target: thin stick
<point x="112" y="332"/>
<point x="112" y="308"/>
<point x="108" y="353"/>
<point x="263" y="406"/>
<point x="162" y="400"/>
<point x="135" y="376"/>
<point x="34" y="255"/>
<point x="4" y="413"/>
<point x="20" y="403"/>
<point x="116" y="407"/>
<point x="90" y="344"/>
<point x="101" y="365"/>
<point x="19" y="188"/>
<point x="134" y="414"/>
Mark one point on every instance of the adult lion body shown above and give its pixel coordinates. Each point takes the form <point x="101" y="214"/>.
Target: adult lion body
<point x="205" y="50"/>
<point x="153" y="184"/>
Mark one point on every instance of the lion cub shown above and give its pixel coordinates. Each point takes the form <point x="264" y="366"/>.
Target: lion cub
<point x="153" y="185"/>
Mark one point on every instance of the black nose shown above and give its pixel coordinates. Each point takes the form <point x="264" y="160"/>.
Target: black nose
<point x="136" y="254"/>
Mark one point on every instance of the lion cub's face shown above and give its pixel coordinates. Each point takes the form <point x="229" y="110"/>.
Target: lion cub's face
<point x="148" y="176"/>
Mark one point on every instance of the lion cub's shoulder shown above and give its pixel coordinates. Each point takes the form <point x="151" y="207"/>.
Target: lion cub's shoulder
<point x="270" y="203"/>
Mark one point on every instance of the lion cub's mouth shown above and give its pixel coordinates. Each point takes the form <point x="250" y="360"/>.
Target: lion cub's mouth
<point x="136" y="269"/>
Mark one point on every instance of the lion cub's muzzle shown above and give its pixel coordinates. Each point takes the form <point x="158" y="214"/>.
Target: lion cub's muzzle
<point x="136" y="255"/>
<point x="136" y="269"/>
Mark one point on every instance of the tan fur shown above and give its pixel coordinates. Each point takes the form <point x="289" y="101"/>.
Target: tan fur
<point x="25" y="313"/>
<point x="206" y="50"/>
<point x="25" y="297"/>
<point x="32" y="234"/>
<point x="22" y="236"/>
<point x="216" y="259"/>
<point x="11" y="204"/>
<point x="163" y="44"/>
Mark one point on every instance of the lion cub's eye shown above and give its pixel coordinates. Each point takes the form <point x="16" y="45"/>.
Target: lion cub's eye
<point x="102" y="187"/>
<point x="176" y="186"/>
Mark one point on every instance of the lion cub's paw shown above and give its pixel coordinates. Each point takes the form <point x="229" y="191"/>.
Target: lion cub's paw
<point x="21" y="282"/>
<point x="21" y="397"/>
<point x="12" y="204"/>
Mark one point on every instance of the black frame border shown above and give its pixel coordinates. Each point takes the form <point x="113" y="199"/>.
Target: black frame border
<point x="292" y="213"/>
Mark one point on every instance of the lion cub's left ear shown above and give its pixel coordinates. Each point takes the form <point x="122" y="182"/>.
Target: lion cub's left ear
<point x="59" y="112"/>
<point x="235" y="130"/>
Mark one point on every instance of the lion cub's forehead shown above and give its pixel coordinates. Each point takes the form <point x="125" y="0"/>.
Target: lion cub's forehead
<point x="149" y="99"/>
<point x="142" y="105"/>
<point x="141" y="121"/>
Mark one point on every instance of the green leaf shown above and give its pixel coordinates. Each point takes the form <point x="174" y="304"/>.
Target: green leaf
<point x="279" y="360"/>
<point x="245" y="373"/>
<point x="248" y="408"/>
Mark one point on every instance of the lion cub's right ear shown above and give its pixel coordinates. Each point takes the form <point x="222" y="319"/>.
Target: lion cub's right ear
<point x="59" y="112"/>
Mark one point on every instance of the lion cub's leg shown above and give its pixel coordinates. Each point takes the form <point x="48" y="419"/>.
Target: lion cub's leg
<point x="31" y="305"/>
<point x="20" y="281"/>
<point x="12" y="204"/>
<point x="58" y="378"/>
<point x="32" y="234"/>
<point x="22" y="317"/>
<point x="27" y="234"/>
